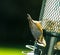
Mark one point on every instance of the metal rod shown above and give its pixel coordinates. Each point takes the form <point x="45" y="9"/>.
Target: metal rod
<point x="42" y="9"/>
<point x="51" y="47"/>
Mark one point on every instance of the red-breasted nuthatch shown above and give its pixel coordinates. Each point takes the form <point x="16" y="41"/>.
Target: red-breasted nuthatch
<point x="37" y="30"/>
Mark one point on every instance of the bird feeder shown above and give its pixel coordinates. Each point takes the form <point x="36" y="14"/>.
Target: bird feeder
<point x="50" y="14"/>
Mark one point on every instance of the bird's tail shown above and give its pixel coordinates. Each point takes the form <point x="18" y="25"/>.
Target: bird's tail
<point x="29" y="17"/>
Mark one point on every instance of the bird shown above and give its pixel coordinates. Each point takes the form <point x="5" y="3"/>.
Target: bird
<point x="57" y="46"/>
<point x="36" y="30"/>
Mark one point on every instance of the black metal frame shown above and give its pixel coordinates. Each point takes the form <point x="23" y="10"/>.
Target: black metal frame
<point x="51" y="34"/>
<point x="51" y="50"/>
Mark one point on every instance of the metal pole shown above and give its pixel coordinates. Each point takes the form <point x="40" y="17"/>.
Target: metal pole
<point x="42" y="9"/>
<point x="51" y="47"/>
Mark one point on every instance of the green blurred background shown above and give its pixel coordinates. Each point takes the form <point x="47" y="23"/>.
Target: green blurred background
<point x="14" y="28"/>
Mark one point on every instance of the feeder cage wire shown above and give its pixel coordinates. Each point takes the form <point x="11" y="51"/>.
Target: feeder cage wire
<point x="51" y="19"/>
